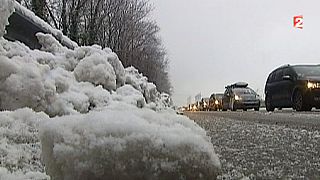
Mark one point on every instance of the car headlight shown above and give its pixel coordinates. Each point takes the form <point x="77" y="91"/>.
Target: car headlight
<point x="236" y="97"/>
<point x="194" y="107"/>
<point x="216" y="102"/>
<point x="312" y="85"/>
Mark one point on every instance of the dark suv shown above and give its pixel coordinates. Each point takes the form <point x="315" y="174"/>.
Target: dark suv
<point x="240" y="96"/>
<point x="295" y="86"/>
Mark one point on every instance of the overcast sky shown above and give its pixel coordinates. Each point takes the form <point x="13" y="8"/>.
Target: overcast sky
<point x="212" y="43"/>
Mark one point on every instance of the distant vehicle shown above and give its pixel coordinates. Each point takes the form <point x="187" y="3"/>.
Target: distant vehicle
<point x="293" y="86"/>
<point x="193" y="107"/>
<point x="204" y="104"/>
<point x="215" y="102"/>
<point x="240" y="96"/>
<point x="180" y="110"/>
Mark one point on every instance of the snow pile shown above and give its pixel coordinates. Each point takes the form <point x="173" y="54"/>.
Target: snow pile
<point x="22" y="83"/>
<point x="155" y="100"/>
<point x="61" y="81"/>
<point x="140" y="82"/>
<point x="6" y="9"/>
<point x="57" y="80"/>
<point x="96" y="69"/>
<point x="166" y="100"/>
<point x="107" y="128"/>
<point x="123" y="142"/>
<point x="129" y="95"/>
<point x="20" y="145"/>
<point x="93" y="56"/>
<point x="6" y="175"/>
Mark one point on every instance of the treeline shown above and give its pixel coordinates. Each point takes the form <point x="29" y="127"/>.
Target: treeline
<point x="123" y="25"/>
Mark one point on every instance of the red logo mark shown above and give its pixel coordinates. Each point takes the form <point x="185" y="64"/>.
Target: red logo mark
<point x="298" y="22"/>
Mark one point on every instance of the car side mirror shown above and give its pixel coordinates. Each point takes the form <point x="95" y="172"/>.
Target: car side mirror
<point x="286" y="77"/>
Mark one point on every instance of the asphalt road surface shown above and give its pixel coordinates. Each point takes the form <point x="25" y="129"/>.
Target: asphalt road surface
<point x="261" y="145"/>
<point x="285" y="117"/>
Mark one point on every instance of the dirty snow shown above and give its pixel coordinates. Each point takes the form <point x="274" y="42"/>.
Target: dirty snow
<point x="20" y="146"/>
<point x="126" y="143"/>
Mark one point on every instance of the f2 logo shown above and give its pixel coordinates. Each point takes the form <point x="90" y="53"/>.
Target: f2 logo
<point x="298" y="22"/>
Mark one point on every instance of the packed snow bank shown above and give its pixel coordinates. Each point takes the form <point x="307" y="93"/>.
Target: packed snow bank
<point x="6" y="9"/>
<point x="124" y="142"/>
<point x="20" y="145"/>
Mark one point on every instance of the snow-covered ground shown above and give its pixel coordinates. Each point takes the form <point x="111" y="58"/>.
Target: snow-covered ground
<point x="252" y="150"/>
<point x="79" y="114"/>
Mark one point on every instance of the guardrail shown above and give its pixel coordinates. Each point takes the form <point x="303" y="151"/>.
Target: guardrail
<point x="22" y="29"/>
<point x="24" y="25"/>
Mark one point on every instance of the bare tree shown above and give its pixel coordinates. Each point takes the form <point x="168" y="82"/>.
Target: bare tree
<point x="37" y="6"/>
<point x="123" y="25"/>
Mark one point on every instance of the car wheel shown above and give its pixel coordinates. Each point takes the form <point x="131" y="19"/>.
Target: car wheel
<point x="256" y="109"/>
<point x="233" y="108"/>
<point x="225" y="106"/>
<point x="299" y="102"/>
<point x="269" y="106"/>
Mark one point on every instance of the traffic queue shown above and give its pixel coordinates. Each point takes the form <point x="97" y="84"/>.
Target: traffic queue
<point x="236" y="96"/>
<point x="288" y="86"/>
<point x="214" y="103"/>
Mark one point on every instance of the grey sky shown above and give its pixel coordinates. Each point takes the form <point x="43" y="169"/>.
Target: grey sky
<point x="212" y="43"/>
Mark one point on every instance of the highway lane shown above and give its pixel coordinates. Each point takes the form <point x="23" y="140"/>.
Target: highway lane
<point x="286" y="117"/>
<point x="260" y="145"/>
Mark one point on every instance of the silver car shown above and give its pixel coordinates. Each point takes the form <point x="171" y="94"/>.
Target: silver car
<point x="240" y="96"/>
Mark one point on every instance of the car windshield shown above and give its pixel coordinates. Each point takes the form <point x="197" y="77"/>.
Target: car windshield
<point x="243" y="91"/>
<point x="303" y="71"/>
<point x="219" y="96"/>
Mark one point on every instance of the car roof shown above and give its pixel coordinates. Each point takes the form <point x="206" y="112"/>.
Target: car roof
<point x="297" y="65"/>
<point x="307" y="65"/>
<point x="238" y="85"/>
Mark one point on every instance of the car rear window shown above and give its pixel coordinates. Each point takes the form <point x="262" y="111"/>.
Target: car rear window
<point x="303" y="71"/>
<point x="243" y="91"/>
